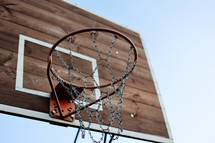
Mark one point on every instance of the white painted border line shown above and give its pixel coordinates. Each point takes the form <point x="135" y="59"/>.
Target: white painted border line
<point x="158" y="91"/>
<point x="45" y="117"/>
<point x="20" y="67"/>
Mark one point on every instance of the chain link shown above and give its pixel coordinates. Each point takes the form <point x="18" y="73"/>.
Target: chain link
<point x="81" y="98"/>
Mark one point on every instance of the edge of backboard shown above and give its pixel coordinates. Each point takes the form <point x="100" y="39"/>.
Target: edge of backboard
<point x="69" y="2"/>
<point x="157" y="89"/>
<point x="45" y="117"/>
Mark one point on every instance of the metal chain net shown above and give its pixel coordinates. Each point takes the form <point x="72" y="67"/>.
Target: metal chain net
<point x="81" y="99"/>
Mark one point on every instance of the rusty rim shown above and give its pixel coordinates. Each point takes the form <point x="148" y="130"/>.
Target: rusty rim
<point x="82" y="31"/>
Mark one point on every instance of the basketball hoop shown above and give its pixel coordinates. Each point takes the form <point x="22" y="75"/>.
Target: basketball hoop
<point x="69" y="98"/>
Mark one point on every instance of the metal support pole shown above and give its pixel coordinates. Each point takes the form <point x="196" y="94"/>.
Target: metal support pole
<point x="77" y="135"/>
<point x="111" y="139"/>
<point x="105" y="138"/>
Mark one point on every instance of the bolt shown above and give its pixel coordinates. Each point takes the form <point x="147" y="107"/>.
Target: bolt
<point x="53" y="112"/>
<point x="71" y="101"/>
<point x="132" y="115"/>
<point x="72" y="116"/>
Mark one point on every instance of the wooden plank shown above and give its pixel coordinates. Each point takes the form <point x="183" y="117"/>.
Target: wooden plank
<point x="8" y="38"/>
<point x="137" y="124"/>
<point x="33" y="23"/>
<point x="9" y="96"/>
<point x="15" y="30"/>
<point x="144" y="126"/>
<point x="141" y="96"/>
<point x="139" y="110"/>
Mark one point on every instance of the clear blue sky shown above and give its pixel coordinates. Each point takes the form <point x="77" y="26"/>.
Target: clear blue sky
<point x="180" y="39"/>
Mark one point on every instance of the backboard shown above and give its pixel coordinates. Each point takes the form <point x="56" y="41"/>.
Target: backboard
<point x="28" y="30"/>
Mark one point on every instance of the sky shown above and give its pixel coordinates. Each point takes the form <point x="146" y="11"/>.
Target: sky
<point x="179" y="37"/>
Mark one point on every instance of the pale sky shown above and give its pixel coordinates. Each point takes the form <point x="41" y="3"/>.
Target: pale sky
<point x="180" y="39"/>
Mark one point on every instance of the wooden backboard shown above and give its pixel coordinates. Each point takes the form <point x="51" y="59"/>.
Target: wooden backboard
<point x="29" y="28"/>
